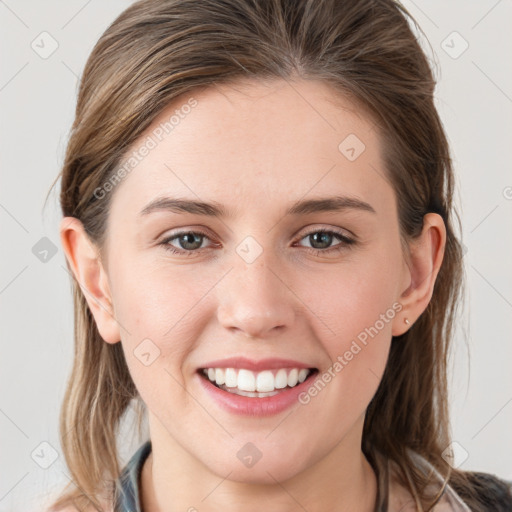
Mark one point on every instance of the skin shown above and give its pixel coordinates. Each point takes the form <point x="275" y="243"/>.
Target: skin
<point x="256" y="148"/>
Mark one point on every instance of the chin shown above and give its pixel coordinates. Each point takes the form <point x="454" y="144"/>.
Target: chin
<point x="264" y="475"/>
<point x="266" y="470"/>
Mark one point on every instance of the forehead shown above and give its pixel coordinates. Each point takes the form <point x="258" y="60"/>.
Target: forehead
<point x="253" y="143"/>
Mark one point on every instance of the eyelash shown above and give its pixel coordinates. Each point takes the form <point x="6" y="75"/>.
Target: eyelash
<point x="345" y="243"/>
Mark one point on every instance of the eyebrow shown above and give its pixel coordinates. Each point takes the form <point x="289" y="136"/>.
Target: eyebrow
<point x="214" y="209"/>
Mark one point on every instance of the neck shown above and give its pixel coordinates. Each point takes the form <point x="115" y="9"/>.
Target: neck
<point x="173" y="480"/>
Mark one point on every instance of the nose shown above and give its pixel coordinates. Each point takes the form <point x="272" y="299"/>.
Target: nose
<point x="256" y="300"/>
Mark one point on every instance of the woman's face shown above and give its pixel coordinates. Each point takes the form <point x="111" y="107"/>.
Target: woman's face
<point x="257" y="282"/>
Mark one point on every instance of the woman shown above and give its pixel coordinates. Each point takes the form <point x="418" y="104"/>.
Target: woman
<point x="257" y="201"/>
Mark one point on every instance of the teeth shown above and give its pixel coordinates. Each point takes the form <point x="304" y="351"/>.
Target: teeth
<point x="293" y="377"/>
<point x="303" y="373"/>
<point x="247" y="381"/>
<point x="263" y="383"/>
<point x="281" y="379"/>
<point x="218" y="375"/>
<point x="230" y="377"/>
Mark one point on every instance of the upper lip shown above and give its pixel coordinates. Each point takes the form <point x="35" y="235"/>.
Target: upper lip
<point x="255" y="366"/>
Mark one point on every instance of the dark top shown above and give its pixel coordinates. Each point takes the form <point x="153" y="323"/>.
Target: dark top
<point x="389" y="496"/>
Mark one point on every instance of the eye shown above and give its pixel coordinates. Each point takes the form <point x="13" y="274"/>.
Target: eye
<point x="188" y="241"/>
<point x="320" y="241"/>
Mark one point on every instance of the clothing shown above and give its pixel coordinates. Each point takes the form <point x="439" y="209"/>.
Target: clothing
<point x="390" y="496"/>
<point x="129" y="481"/>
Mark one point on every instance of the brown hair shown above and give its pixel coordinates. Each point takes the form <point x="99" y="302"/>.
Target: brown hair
<point x="157" y="50"/>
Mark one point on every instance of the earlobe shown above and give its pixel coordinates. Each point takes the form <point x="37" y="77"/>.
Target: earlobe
<point x="83" y="259"/>
<point x="426" y="256"/>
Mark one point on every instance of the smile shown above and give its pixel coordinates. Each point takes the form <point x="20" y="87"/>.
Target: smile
<point x="261" y="384"/>
<point x="255" y="393"/>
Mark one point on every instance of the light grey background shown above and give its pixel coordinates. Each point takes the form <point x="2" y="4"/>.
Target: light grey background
<point x="37" y="100"/>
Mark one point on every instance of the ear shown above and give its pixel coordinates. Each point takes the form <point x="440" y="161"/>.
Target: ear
<point x="84" y="259"/>
<point x="420" y="271"/>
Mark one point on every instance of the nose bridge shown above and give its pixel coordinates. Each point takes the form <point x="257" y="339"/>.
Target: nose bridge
<point x="254" y="297"/>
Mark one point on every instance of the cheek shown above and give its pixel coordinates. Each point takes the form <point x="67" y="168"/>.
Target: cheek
<point x="161" y="317"/>
<point x="157" y="299"/>
<point x="350" y="297"/>
<point x="353" y="307"/>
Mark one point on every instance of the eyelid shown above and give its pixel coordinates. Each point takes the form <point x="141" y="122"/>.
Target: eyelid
<point x="301" y="234"/>
<point x="314" y="228"/>
<point x="187" y="229"/>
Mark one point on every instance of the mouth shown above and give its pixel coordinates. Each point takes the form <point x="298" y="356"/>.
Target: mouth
<point x="257" y="384"/>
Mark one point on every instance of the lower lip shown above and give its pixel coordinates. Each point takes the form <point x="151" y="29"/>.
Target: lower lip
<point x="254" y="406"/>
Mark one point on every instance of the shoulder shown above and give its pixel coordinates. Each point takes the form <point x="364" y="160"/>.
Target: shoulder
<point x="493" y="493"/>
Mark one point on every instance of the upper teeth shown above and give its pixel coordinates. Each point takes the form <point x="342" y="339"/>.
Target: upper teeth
<point x="267" y="380"/>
